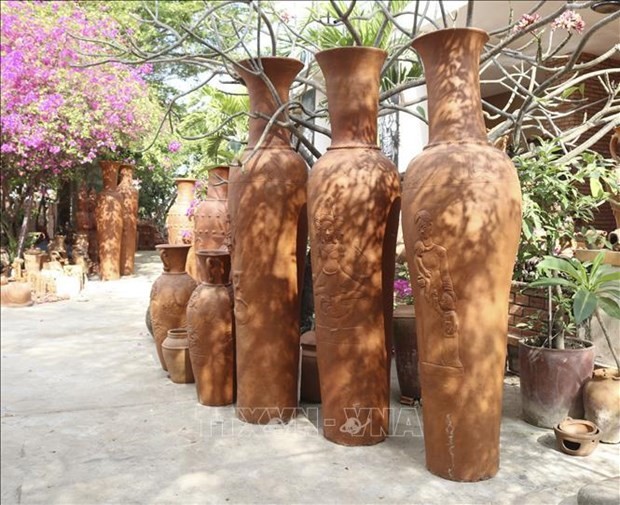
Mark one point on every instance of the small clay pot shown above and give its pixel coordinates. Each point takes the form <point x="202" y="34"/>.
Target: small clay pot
<point x="310" y="383"/>
<point x="175" y="349"/>
<point x="577" y="437"/>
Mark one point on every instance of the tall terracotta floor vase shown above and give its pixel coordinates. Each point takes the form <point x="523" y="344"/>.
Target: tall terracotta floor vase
<point x="179" y="226"/>
<point x="109" y="219"/>
<point x="129" y="194"/>
<point x="170" y="293"/>
<point x="211" y="222"/>
<point x="211" y="330"/>
<point x="353" y="205"/>
<point x="461" y="224"/>
<point x="267" y="206"/>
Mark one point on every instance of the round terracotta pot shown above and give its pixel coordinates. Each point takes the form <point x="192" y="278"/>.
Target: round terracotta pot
<point x="353" y="205"/>
<point x="461" y="225"/>
<point x="170" y="293"/>
<point x="16" y="294"/>
<point x="267" y="206"/>
<point x="577" y="437"/>
<point x="129" y="194"/>
<point x="211" y="223"/>
<point x="211" y="331"/>
<point x="406" y="353"/>
<point x="109" y="218"/>
<point x="310" y="388"/>
<point x="552" y="381"/>
<point x="179" y="225"/>
<point x="601" y="401"/>
<point x="175" y="350"/>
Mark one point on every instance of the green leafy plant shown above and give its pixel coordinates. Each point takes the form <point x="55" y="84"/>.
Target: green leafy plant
<point x="593" y="286"/>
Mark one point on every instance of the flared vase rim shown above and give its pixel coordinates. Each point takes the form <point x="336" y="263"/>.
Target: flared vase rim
<point x="173" y="246"/>
<point x="443" y="31"/>
<point x="344" y="49"/>
<point x="246" y="62"/>
<point x="212" y="252"/>
<point x="184" y="179"/>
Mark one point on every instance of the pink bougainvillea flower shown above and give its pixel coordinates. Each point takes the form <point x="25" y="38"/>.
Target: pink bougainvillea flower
<point x="174" y="146"/>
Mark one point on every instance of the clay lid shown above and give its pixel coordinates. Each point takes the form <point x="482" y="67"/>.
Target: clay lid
<point x="308" y="338"/>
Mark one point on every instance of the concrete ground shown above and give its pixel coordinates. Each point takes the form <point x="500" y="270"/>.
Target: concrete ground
<point x="88" y="416"/>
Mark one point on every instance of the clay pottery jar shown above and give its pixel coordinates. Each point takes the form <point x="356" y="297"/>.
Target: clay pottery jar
<point x="179" y="225"/>
<point x="175" y="349"/>
<point x="267" y="207"/>
<point x="129" y="194"/>
<point x="170" y="294"/>
<point x="406" y="353"/>
<point x="33" y="260"/>
<point x="310" y="388"/>
<point x="552" y="380"/>
<point x="577" y="437"/>
<point x="211" y="223"/>
<point x="353" y="206"/>
<point x="601" y="401"/>
<point x="58" y="246"/>
<point x="109" y="218"/>
<point x="461" y="225"/>
<point x="211" y="331"/>
<point x="16" y="294"/>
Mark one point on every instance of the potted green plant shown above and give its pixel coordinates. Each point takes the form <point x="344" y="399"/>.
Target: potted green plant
<point x="552" y="376"/>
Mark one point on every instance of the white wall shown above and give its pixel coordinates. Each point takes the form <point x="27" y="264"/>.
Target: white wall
<point x="412" y="132"/>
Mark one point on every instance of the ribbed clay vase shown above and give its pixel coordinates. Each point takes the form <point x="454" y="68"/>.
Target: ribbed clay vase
<point x="109" y="218"/>
<point x="211" y="330"/>
<point x="461" y="224"/>
<point x="353" y="205"/>
<point x="179" y="225"/>
<point x="129" y="194"/>
<point x="211" y="223"/>
<point x="170" y="293"/>
<point x="267" y="207"/>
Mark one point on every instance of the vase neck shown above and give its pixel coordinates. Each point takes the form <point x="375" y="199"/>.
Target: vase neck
<point x="185" y="189"/>
<point x="109" y="174"/>
<point x="218" y="183"/>
<point x="451" y="61"/>
<point x="215" y="267"/>
<point x="173" y="257"/>
<point x="126" y="172"/>
<point x="352" y="80"/>
<point x="281" y="72"/>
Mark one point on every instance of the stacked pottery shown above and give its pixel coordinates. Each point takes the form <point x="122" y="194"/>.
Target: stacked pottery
<point x="211" y="332"/>
<point x="211" y="223"/>
<point x="109" y="217"/>
<point x="175" y="350"/>
<point x="129" y="195"/>
<point x="353" y="206"/>
<point x="461" y="225"/>
<point x="266" y="201"/>
<point x="179" y="224"/>
<point x="170" y="294"/>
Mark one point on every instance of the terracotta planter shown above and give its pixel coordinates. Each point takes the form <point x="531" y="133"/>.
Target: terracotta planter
<point x="170" y="293"/>
<point x="552" y="381"/>
<point x="461" y="224"/>
<point x="601" y="401"/>
<point x="211" y="223"/>
<point x="179" y="225"/>
<point x="266" y="202"/>
<point x="129" y="194"/>
<point x="310" y="389"/>
<point x="175" y="350"/>
<point x="577" y="437"/>
<point x="109" y="217"/>
<point x="211" y="331"/>
<point x="406" y="354"/>
<point x="353" y="205"/>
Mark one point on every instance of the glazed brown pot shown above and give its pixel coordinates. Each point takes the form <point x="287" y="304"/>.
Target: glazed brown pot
<point x="461" y="225"/>
<point x="552" y="381"/>
<point x="170" y="293"/>
<point x="175" y="350"/>
<point x="601" y="402"/>
<point x="211" y="331"/>
<point x="211" y="223"/>
<point x="129" y="194"/>
<point x="406" y="354"/>
<point x="353" y="205"/>
<point x="310" y="387"/>
<point x="267" y="206"/>
<point x="179" y="225"/>
<point x="109" y="218"/>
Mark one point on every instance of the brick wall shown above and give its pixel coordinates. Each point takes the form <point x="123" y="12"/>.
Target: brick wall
<point x="524" y="304"/>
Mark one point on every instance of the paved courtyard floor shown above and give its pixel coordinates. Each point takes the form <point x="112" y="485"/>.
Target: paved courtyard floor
<point x="88" y="416"/>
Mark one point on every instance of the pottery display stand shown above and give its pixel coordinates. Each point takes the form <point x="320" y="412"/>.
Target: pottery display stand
<point x="461" y="225"/>
<point x="267" y="206"/>
<point x="353" y="206"/>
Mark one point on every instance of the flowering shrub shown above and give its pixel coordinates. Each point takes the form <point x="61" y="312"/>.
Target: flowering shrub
<point x="403" y="294"/>
<point x="569" y="20"/>
<point x="54" y="114"/>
